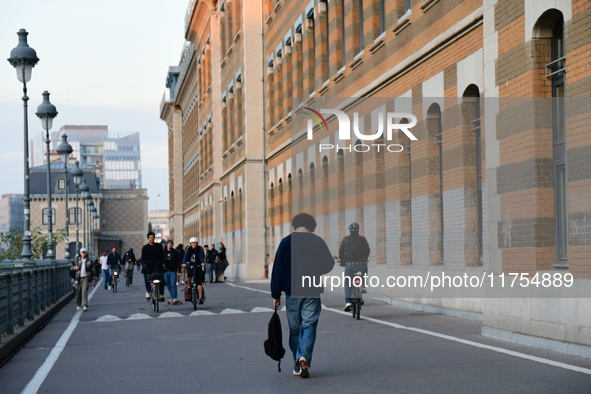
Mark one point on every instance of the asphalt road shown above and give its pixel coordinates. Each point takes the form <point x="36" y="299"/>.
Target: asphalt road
<point x="121" y="346"/>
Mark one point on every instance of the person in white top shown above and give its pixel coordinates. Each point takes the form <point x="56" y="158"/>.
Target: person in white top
<point x="81" y="271"/>
<point x="105" y="268"/>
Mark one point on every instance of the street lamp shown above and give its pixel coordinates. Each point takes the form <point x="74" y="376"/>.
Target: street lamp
<point x="46" y="112"/>
<point x="64" y="150"/>
<point x="84" y="191"/>
<point x="92" y="213"/>
<point x="77" y="175"/>
<point x="89" y="205"/>
<point x="23" y="58"/>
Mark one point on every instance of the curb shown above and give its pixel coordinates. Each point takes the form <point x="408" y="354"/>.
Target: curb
<point x="12" y="347"/>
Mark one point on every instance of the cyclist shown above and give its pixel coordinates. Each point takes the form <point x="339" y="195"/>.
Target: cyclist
<point x="152" y="260"/>
<point x="130" y="261"/>
<point x="194" y="263"/>
<point x="353" y="254"/>
<point x="114" y="262"/>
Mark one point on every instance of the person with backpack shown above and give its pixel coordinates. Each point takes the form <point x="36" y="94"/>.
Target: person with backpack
<point x="194" y="263"/>
<point x="129" y="261"/>
<point x="310" y="259"/>
<point x="353" y="254"/>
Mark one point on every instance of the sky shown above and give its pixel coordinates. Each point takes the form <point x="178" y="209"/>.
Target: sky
<point x="104" y="63"/>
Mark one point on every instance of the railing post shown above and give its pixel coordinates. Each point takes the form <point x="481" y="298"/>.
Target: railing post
<point x="36" y="281"/>
<point x="9" y="318"/>
<point x="21" y="301"/>
<point x="30" y="296"/>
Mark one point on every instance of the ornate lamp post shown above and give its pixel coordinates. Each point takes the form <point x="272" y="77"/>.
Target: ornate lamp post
<point x="64" y="150"/>
<point x="89" y="205"/>
<point x="92" y="221"/>
<point x="46" y="112"/>
<point x="84" y="191"/>
<point x="77" y="175"/>
<point x="23" y="58"/>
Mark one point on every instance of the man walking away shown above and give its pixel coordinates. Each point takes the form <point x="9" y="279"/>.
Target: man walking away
<point x="129" y="261"/>
<point x="172" y="263"/>
<point x="81" y="271"/>
<point x="353" y="254"/>
<point x="105" y="269"/>
<point x="213" y="255"/>
<point x="301" y="255"/>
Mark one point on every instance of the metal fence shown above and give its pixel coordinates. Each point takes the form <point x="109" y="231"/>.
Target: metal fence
<point x="28" y="288"/>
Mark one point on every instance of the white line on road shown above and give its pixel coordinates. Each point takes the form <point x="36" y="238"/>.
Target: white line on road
<point x="459" y="340"/>
<point x="33" y="386"/>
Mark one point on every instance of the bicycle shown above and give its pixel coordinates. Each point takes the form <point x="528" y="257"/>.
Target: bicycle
<point x="114" y="280"/>
<point x="129" y="277"/>
<point x="356" y="293"/>
<point x="155" y="280"/>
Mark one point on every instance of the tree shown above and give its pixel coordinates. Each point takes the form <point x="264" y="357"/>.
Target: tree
<point x="11" y="242"/>
<point x="150" y="227"/>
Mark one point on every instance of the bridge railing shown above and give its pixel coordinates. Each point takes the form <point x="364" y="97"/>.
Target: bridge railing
<point x="28" y="288"/>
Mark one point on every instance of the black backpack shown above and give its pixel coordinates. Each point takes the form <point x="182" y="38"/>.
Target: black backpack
<point x="274" y="343"/>
<point x="357" y="250"/>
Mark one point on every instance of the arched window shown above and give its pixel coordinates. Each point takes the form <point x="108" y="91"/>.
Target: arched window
<point x="61" y="184"/>
<point x="435" y="131"/>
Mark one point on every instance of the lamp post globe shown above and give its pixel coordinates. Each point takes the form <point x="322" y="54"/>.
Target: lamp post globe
<point x="23" y="58"/>
<point x="65" y="150"/>
<point x="46" y="112"/>
<point x="77" y="175"/>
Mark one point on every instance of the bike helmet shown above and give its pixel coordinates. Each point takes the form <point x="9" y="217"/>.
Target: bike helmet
<point x="193" y="239"/>
<point x="353" y="227"/>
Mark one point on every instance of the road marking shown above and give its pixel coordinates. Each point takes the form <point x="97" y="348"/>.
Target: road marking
<point x="108" y="318"/>
<point x="201" y="313"/>
<point x="230" y="311"/>
<point x="261" y="309"/>
<point x="33" y="386"/>
<point x="459" y="340"/>
<point x="248" y="288"/>
<point x="170" y="314"/>
<point x="139" y="316"/>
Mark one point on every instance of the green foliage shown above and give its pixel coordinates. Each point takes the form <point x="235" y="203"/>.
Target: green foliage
<point x="150" y="227"/>
<point x="11" y="242"/>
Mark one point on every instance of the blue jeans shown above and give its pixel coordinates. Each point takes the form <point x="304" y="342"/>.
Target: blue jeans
<point x="302" y="318"/>
<point x="209" y="272"/>
<point x="170" y="280"/>
<point x="350" y="268"/>
<point x="107" y="277"/>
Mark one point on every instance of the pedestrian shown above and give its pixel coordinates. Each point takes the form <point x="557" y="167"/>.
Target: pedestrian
<point x="194" y="263"/>
<point x="81" y="271"/>
<point x="172" y="263"/>
<point x="105" y="269"/>
<point x="129" y="260"/>
<point x="152" y="260"/>
<point x="208" y="275"/>
<point x="353" y="254"/>
<point x="222" y="263"/>
<point x="310" y="259"/>
<point x="181" y="251"/>
<point x="213" y="257"/>
<point x="115" y="263"/>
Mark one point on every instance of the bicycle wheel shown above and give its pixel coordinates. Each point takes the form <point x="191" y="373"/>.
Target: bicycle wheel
<point x="128" y="280"/>
<point x="358" y="307"/>
<point x="115" y="283"/>
<point x="194" y="297"/>
<point x="157" y="297"/>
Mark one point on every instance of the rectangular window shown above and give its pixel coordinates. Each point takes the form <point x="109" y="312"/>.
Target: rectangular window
<point x="361" y="38"/>
<point x="45" y="220"/>
<point x="382" y="16"/>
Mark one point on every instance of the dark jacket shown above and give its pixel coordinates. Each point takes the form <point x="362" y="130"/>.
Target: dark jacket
<point x="152" y="258"/>
<point x="76" y="273"/>
<point x="114" y="260"/>
<point x="172" y="261"/>
<point x="210" y="256"/>
<point x="354" y="249"/>
<point x="311" y="259"/>
<point x="194" y="256"/>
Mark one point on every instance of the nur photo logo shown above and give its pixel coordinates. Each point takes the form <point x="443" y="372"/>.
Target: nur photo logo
<point x="387" y="122"/>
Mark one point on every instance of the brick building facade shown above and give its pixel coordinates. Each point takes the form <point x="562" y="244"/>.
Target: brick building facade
<point x="497" y="180"/>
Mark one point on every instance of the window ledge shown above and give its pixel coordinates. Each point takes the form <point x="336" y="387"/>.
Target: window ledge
<point x="237" y="37"/>
<point x="338" y="77"/>
<point x="428" y="4"/>
<point x="377" y="45"/>
<point x="269" y="20"/>
<point x="323" y="90"/>
<point x="401" y="26"/>
<point x="356" y="63"/>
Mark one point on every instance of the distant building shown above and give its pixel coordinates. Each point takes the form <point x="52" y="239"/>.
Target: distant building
<point x="115" y="155"/>
<point x="11" y="211"/>
<point x="160" y="227"/>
